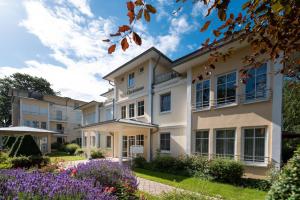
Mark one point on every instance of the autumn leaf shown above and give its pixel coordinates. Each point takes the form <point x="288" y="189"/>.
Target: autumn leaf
<point x="216" y="33"/>
<point x="206" y="42"/>
<point x="130" y="5"/>
<point x="205" y="26"/>
<point x="222" y="14"/>
<point x="136" y="38"/>
<point x="124" y="28"/>
<point x="147" y="15"/>
<point x="139" y="3"/>
<point x="111" y="49"/>
<point x="130" y="14"/>
<point x="277" y="7"/>
<point x="139" y="15"/>
<point x="115" y="34"/>
<point x="245" y="5"/>
<point x="124" y="44"/>
<point x="150" y="8"/>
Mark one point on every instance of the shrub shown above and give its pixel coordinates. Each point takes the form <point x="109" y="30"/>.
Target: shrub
<point x="19" y="184"/>
<point x="28" y="147"/>
<point x="287" y="185"/>
<point x="196" y="165"/>
<point x="4" y="161"/>
<point x="79" y="152"/>
<point x="29" y="161"/>
<point x="116" y="178"/>
<point x="166" y="163"/>
<point x="259" y="184"/>
<point x="71" y="148"/>
<point x="97" y="153"/>
<point x="58" y="146"/>
<point x="139" y="162"/>
<point x="224" y="170"/>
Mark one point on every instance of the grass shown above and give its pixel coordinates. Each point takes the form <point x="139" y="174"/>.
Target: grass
<point x="64" y="156"/>
<point x="228" y="192"/>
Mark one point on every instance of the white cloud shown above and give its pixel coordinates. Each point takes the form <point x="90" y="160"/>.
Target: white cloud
<point x="199" y="8"/>
<point x="75" y="39"/>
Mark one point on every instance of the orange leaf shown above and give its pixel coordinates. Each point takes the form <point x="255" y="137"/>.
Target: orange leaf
<point x="139" y="15"/>
<point x="111" y="49"/>
<point x="151" y="8"/>
<point x="147" y="15"/>
<point x="136" y="38"/>
<point x="205" y="44"/>
<point x="115" y="34"/>
<point x="205" y="26"/>
<point x="124" y="28"/>
<point x="124" y="44"/>
<point x="130" y="5"/>
<point x="139" y="3"/>
<point x="131" y="16"/>
<point x="217" y="33"/>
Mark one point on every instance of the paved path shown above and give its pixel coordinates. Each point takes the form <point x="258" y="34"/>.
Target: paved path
<point x="154" y="188"/>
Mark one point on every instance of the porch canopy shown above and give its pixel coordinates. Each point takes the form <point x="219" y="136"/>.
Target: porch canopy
<point x="122" y="127"/>
<point x="24" y="130"/>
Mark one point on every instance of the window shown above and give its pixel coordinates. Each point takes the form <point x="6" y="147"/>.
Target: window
<point x="109" y="114"/>
<point x="131" y="80"/>
<point x="165" y="102"/>
<point x="256" y="84"/>
<point x="225" y="142"/>
<point x="84" y="141"/>
<point x="44" y="111"/>
<point x="108" y="141"/>
<point x="254" y="144"/>
<point x="201" y="142"/>
<point x="59" y="128"/>
<point x="140" y="140"/>
<point x="123" y="112"/>
<point x="44" y="125"/>
<point x="202" y="94"/>
<point x="165" y="141"/>
<point x="140" y="108"/>
<point x="131" y="110"/>
<point x="98" y="140"/>
<point x="226" y="88"/>
<point x="27" y="123"/>
<point x="35" y="124"/>
<point x="59" y="115"/>
<point x="141" y="70"/>
<point x="93" y="141"/>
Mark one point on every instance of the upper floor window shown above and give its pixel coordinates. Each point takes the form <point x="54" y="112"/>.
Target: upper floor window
<point x="59" y="115"/>
<point x="109" y="114"/>
<point x="141" y="70"/>
<point x="44" y="125"/>
<point x="141" y="108"/>
<point x="123" y="112"/>
<point x="256" y="85"/>
<point x="131" y="110"/>
<point x="254" y="144"/>
<point x="201" y="142"/>
<point x="131" y="80"/>
<point x="202" y="94"/>
<point x="35" y="124"/>
<point x="225" y="140"/>
<point x="165" y="102"/>
<point x="226" y="88"/>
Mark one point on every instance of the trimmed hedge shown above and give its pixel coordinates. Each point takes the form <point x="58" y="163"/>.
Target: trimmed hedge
<point x="96" y="154"/>
<point x="71" y="148"/>
<point x="25" y="146"/>
<point x="29" y="161"/>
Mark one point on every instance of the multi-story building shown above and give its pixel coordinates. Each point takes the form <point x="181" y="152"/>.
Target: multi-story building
<point x="47" y="112"/>
<point x="178" y="108"/>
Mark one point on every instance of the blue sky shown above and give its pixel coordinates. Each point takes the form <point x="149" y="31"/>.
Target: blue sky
<point x="61" y="40"/>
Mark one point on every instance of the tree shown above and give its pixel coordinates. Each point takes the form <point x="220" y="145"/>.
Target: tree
<point x="23" y="82"/>
<point x="271" y="27"/>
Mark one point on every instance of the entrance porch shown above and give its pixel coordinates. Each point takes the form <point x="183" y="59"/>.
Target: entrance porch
<point x="122" y="139"/>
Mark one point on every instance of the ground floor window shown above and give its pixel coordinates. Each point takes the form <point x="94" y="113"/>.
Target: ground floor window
<point x="140" y="140"/>
<point x="85" y="141"/>
<point x="98" y="140"/>
<point x="93" y="141"/>
<point x="108" y="141"/>
<point x="165" y="142"/>
<point x="254" y="144"/>
<point x="201" y="142"/>
<point x="225" y="142"/>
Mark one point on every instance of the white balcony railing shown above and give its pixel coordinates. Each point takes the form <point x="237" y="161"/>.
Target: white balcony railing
<point x="165" y="77"/>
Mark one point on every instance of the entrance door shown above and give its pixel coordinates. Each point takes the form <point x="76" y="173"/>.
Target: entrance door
<point x="125" y="147"/>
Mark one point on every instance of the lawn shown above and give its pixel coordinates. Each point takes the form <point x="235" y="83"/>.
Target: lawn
<point x="64" y="156"/>
<point x="205" y="187"/>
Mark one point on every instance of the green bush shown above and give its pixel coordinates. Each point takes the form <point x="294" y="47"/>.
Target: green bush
<point x="139" y="162"/>
<point x="287" y="185"/>
<point x="28" y="147"/>
<point x="225" y="170"/>
<point x="71" y="148"/>
<point x="259" y="184"/>
<point x="177" y="195"/>
<point x="29" y="161"/>
<point x="58" y="146"/>
<point x="196" y="165"/>
<point x="97" y="154"/>
<point x="165" y="163"/>
<point x="4" y="161"/>
<point x="79" y="152"/>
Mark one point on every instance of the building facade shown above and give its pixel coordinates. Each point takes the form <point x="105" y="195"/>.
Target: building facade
<point x="179" y="107"/>
<point x="49" y="112"/>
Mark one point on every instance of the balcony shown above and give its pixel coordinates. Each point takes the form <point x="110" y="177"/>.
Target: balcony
<point x="58" y="118"/>
<point x="165" y="77"/>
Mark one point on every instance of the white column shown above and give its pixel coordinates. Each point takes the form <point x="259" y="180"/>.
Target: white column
<point x="120" y="146"/>
<point x="148" y="145"/>
<point x="277" y="113"/>
<point x="115" y="105"/>
<point x="149" y="88"/>
<point x="97" y="114"/>
<point x="189" y="112"/>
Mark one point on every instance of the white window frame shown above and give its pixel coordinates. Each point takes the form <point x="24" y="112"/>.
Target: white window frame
<point x="138" y="107"/>
<point x="216" y="91"/>
<point x="160" y="96"/>
<point x="164" y="151"/>
<point x="124" y="106"/>
<point x="129" y="84"/>
<point x="209" y="104"/>
<point x="201" y="138"/>
<point x="249" y="163"/>
<point x="130" y="117"/>
<point x="106" y="144"/>
<point x="235" y="141"/>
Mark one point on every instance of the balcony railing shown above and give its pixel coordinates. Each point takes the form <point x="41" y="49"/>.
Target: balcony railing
<point x="58" y="118"/>
<point x="165" y="77"/>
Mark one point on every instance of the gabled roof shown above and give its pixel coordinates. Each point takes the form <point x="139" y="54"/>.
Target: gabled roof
<point x="87" y="105"/>
<point x="150" y="53"/>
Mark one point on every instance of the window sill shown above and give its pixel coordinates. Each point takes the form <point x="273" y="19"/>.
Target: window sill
<point x="202" y="109"/>
<point x="255" y="164"/>
<point x="165" y="112"/>
<point x="226" y="105"/>
<point x="141" y="116"/>
<point x="255" y="101"/>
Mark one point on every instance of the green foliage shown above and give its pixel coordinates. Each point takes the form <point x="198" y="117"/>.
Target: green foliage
<point x="259" y="184"/>
<point x="27" y="147"/>
<point x="9" y="142"/>
<point x="58" y="146"/>
<point x="175" y="195"/>
<point x="79" y="152"/>
<point x="29" y="161"/>
<point x="287" y="185"/>
<point x="289" y="146"/>
<point x="14" y="147"/>
<point x="4" y="161"/>
<point x="23" y="82"/>
<point x="97" y="153"/>
<point x="228" y="171"/>
<point x="71" y="148"/>
<point x="139" y="162"/>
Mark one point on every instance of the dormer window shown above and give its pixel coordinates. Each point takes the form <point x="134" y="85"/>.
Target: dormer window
<point x="131" y="80"/>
